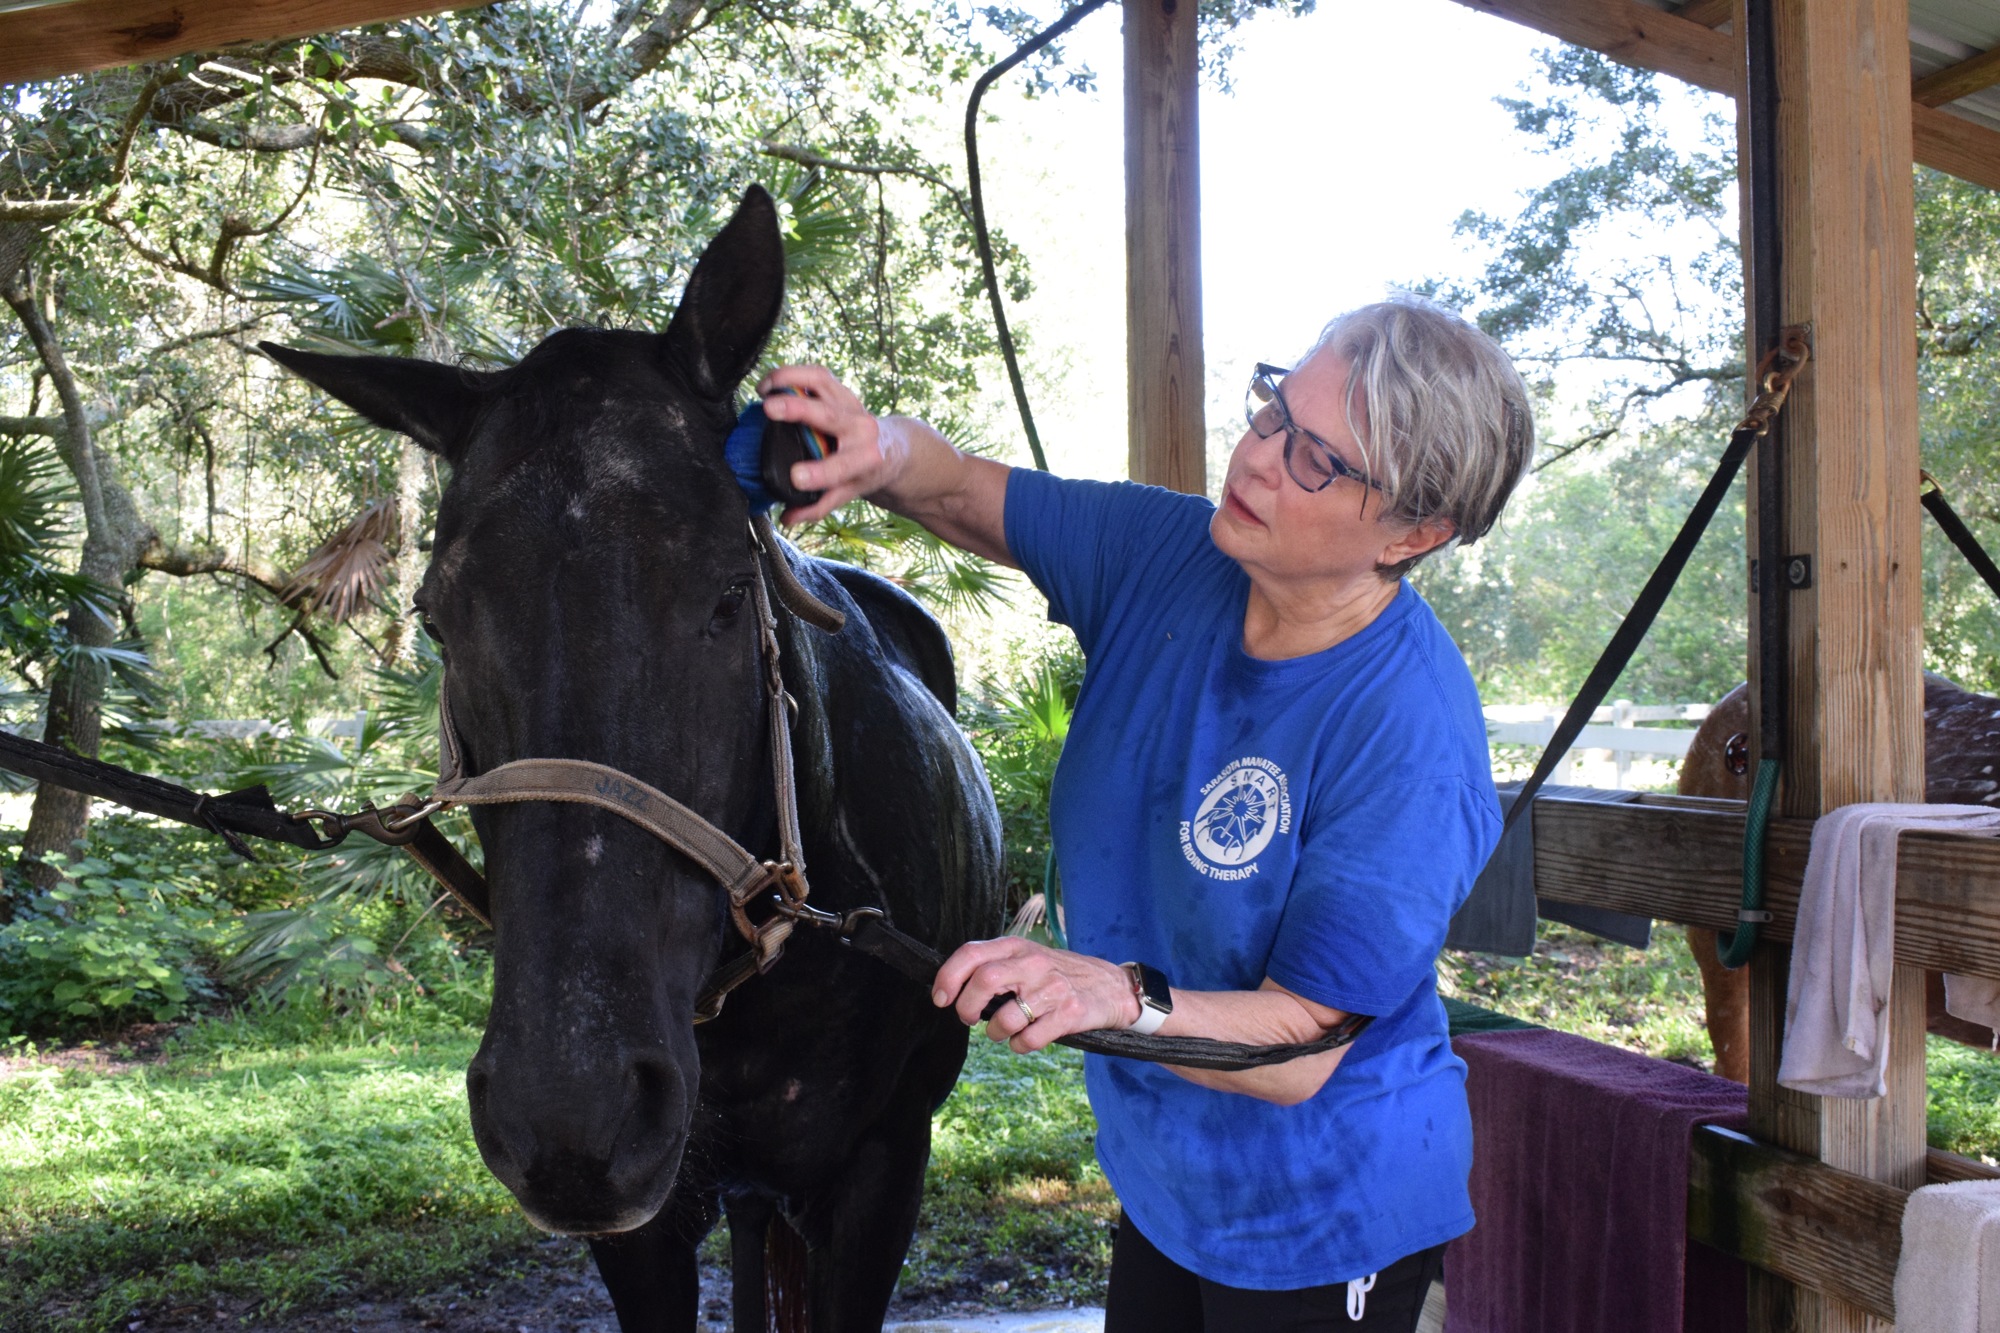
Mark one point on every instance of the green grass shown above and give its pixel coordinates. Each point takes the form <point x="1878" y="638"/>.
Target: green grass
<point x="1016" y="1211"/>
<point x="285" y="1161"/>
<point x="1644" y="1000"/>
<point x="1965" y="1100"/>
<point x="280" y="1160"/>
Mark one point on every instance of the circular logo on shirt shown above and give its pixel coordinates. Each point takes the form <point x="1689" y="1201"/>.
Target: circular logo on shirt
<point x="1241" y="810"/>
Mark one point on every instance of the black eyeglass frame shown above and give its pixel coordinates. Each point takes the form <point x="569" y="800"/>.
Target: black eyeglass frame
<point x="1266" y="377"/>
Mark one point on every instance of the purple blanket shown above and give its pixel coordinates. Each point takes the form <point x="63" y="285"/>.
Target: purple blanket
<point x="1579" y="1181"/>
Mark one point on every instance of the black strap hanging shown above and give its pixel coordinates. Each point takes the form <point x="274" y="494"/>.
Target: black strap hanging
<point x="1775" y="381"/>
<point x="1961" y="536"/>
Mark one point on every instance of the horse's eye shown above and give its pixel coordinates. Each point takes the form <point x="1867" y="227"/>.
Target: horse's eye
<point x="429" y="627"/>
<point x="731" y="603"/>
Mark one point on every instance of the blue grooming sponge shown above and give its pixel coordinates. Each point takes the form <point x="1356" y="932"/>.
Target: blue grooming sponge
<point x="745" y="451"/>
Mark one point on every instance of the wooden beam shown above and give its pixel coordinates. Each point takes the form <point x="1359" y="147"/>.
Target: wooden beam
<point x="1947" y="886"/>
<point x="1828" y="1230"/>
<point x="53" y="40"/>
<point x="1794" y="1216"/>
<point x="1634" y="34"/>
<point x="1672" y="44"/>
<point x="1164" y="381"/>
<point x="1956" y="146"/>
<point x="1708" y="13"/>
<point x="1854" y="635"/>
<point x="1942" y="1168"/>
<point x="1961" y="80"/>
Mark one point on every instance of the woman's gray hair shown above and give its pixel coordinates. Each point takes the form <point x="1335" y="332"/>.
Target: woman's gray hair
<point x="1441" y="414"/>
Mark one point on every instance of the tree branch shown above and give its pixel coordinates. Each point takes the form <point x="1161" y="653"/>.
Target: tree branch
<point x="75" y="442"/>
<point x="313" y="641"/>
<point x="40" y="210"/>
<point x="21" y="427"/>
<point x="805" y="157"/>
<point x="204" y="335"/>
<point x="181" y="562"/>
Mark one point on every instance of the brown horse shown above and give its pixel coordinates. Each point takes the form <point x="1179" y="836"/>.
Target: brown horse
<point x="1961" y="755"/>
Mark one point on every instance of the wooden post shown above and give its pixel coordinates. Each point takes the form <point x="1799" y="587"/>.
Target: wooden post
<point x="1164" y="374"/>
<point x="1856" y="692"/>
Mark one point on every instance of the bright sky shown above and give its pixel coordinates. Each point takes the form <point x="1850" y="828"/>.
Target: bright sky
<point x="1332" y="173"/>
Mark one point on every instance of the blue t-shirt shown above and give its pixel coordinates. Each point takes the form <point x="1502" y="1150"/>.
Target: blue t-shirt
<point x="1225" y="818"/>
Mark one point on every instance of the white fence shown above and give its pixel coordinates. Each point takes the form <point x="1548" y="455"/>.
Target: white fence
<point x="243" y="729"/>
<point x="1613" y="732"/>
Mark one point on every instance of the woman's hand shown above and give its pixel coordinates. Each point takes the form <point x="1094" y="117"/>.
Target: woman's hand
<point x="1063" y="992"/>
<point x="865" y="459"/>
<point x="899" y="463"/>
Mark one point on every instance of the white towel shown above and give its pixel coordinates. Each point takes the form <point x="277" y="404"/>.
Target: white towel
<point x="1948" y="1278"/>
<point x="1974" y="999"/>
<point x="1843" y="948"/>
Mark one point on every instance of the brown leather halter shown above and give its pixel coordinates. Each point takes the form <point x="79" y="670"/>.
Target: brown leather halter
<point x="780" y="885"/>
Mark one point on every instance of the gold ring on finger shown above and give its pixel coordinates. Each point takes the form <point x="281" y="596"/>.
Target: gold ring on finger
<point x="1026" y="1012"/>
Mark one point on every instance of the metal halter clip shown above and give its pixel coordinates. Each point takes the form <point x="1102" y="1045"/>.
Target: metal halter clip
<point x="399" y="817"/>
<point x="394" y="827"/>
<point x="806" y="914"/>
<point x="851" y="924"/>
<point x="330" y="825"/>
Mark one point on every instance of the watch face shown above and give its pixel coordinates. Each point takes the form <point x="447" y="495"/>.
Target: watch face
<point x="1153" y="989"/>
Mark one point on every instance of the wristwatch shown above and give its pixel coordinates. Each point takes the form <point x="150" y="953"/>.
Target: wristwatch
<point x="1156" y="997"/>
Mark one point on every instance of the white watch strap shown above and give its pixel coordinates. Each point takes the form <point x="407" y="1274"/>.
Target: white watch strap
<point x="1150" y="1021"/>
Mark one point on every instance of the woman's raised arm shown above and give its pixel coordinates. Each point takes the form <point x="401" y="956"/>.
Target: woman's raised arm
<point x="900" y="463"/>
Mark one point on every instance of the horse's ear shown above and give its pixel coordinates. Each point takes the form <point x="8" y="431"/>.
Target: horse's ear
<point x="732" y="300"/>
<point x="428" y="402"/>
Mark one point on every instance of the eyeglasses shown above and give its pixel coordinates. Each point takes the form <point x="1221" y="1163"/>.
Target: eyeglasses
<point x="1315" y="466"/>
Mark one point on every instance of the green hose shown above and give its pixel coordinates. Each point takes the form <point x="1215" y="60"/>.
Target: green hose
<point x="1757" y="822"/>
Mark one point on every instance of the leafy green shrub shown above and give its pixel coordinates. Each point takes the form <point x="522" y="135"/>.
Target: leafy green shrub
<point x="1019" y="727"/>
<point x="120" y="937"/>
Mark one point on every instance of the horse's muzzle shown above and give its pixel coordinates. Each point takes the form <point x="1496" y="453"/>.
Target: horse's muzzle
<point x="585" y="1149"/>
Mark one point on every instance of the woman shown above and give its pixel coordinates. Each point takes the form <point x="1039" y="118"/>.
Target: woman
<point x="1275" y="792"/>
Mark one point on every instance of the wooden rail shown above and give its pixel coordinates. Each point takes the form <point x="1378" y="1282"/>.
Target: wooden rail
<point x="1819" y="1226"/>
<point x="1947" y="886"/>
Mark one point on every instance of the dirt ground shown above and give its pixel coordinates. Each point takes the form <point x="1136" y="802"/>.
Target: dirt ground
<point x="139" y="1044"/>
<point x="554" y="1291"/>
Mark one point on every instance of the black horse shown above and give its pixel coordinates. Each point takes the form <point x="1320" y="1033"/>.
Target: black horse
<point x="590" y="587"/>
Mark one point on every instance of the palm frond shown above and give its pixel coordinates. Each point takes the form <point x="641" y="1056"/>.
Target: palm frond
<point x="35" y="496"/>
<point x="345" y="571"/>
<point x="909" y="555"/>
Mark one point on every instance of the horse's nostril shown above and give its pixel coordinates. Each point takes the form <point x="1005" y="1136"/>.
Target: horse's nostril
<point x="654" y="1086"/>
<point x="478" y="1083"/>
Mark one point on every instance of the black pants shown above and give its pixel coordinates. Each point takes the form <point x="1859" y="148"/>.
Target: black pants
<point x="1150" y="1293"/>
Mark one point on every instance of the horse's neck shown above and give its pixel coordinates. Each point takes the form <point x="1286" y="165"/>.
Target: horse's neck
<point x="805" y="664"/>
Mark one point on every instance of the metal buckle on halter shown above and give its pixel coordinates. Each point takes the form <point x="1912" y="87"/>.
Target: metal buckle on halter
<point x="781" y="883"/>
<point x="396" y="826"/>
